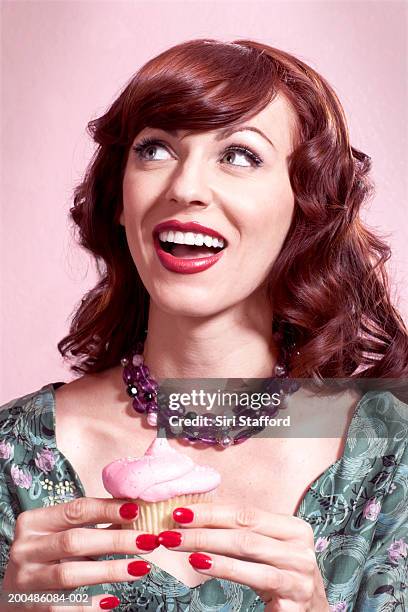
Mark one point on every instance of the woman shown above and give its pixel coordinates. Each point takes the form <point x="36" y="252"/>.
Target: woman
<point x="246" y="143"/>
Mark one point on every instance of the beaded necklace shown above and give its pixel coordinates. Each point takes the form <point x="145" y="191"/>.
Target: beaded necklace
<point x="149" y="401"/>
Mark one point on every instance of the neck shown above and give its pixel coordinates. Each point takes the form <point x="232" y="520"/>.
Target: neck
<point x="235" y="343"/>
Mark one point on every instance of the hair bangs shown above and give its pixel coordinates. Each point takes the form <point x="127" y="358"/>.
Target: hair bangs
<point x="200" y="88"/>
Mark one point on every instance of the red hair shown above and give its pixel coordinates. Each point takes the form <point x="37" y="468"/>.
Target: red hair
<point x="329" y="286"/>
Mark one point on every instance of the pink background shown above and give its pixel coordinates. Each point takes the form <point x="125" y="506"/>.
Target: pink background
<point x="64" y="62"/>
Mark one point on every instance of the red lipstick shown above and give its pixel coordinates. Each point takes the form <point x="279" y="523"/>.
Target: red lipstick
<point x="185" y="266"/>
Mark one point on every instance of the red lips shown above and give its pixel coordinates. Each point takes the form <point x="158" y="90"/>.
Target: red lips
<point x="185" y="265"/>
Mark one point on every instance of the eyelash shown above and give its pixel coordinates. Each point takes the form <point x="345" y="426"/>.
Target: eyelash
<point x="239" y="148"/>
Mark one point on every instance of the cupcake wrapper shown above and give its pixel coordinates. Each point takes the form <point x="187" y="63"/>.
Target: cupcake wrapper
<point x="155" y="517"/>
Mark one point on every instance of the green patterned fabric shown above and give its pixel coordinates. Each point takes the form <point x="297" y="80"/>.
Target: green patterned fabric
<point x="358" y="509"/>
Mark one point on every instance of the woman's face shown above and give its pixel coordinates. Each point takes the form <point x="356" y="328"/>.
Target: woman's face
<point x="200" y="178"/>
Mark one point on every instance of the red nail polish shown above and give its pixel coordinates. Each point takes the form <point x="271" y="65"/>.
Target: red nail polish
<point x="147" y="541"/>
<point x="200" y="561"/>
<point x="170" y="539"/>
<point x="129" y="510"/>
<point x="183" y="515"/>
<point x="107" y="603"/>
<point x="139" y="568"/>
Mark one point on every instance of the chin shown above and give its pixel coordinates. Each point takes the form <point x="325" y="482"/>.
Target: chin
<point x="188" y="303"/>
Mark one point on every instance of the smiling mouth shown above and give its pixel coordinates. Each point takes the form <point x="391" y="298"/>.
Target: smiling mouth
<point x="188" y="251"/>
<point x="188" y="245"/>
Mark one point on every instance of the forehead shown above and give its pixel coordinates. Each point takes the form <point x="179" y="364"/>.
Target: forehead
<point x="278" y="121"/>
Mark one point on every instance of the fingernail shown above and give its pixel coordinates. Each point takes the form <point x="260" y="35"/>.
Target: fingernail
<point x="107" y="603"/>
<point x="183" y="515"/>
<point x="170" y="539"/>
<point x="129" y="510"/>
<point x="139" y="568"/>
<point x="200" y="561"/>
<point x="147" y="541"/>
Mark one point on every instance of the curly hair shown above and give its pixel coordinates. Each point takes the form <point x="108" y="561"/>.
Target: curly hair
<point x="329" y="285"/>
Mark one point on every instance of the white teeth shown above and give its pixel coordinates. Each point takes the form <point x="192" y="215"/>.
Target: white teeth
<point x="191" y="238"/>
<point x="178" y="238"/>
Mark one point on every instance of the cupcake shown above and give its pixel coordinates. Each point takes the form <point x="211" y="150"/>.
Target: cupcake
<point x="158" y="482"/>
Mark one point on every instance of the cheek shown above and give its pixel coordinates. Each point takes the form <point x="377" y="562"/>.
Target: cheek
<point x="270" y="220"/>
<point x="137" y="203"/>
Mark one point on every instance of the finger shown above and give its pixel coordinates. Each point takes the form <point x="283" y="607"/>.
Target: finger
<point x="258" y="576"/>
<point x="98" y="602"/>
<point x="243" y="544"/>
<point x="75" y="513"/>
<point x="83" y="573"/>
<point x="81" y="542"/>
<point x="234" y="516"/>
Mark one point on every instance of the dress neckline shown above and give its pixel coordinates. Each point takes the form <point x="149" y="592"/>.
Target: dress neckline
<point x="50" y="389"/>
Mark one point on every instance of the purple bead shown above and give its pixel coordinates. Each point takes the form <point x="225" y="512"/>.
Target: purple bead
<point x="144" y="370"/>
<point x="148" y="387"/>
<point x="190" y="438"/>
<point x="151" y="408"/>
<point x="139" y="406"/>
<point x="207" y="440"/>
<point x="137" y="360"/>
<point x="127" y="377"/>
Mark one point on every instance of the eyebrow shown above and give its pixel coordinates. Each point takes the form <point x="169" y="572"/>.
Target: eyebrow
<point x="228" y="131"/>
<point x="231" y="130"/>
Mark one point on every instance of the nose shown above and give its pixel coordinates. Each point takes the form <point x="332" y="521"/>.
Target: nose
<point x="189" y="184"/>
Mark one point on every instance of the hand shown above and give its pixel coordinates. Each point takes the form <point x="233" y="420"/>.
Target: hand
<point x="46" y="536"/>
<point x="271" y="553"/>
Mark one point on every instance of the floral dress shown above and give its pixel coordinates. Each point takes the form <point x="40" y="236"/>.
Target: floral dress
<point x="358" y="509"/>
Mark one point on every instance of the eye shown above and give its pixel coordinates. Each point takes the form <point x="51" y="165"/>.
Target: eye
<point x="240" y="150"/>
<point x="147" y="145"/>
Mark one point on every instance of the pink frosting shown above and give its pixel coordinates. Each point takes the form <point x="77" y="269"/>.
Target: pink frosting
<point x="161" y="473"/>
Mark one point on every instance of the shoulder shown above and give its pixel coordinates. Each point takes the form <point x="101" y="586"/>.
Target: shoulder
<point x="23" y="400"/>
<point x="28" y="420"/>
<point x="378" y="448"/>
<point x="380" y="414"/>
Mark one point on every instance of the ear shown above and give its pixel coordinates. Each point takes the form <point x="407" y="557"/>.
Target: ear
<point x="122" y="218"/>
